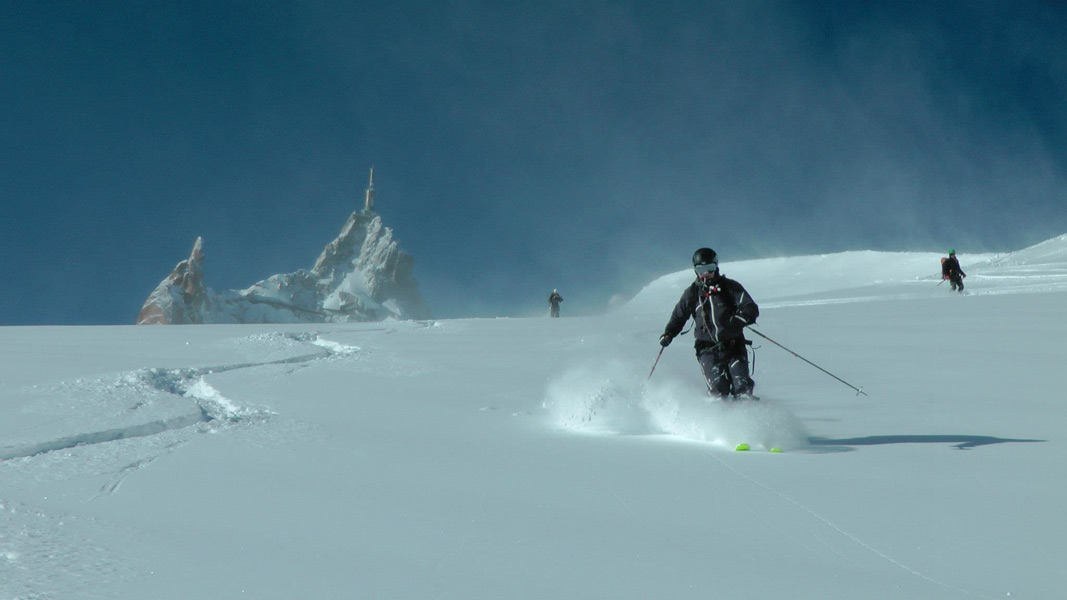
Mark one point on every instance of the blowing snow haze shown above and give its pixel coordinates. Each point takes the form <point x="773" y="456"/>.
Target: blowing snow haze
<point x="520" y="148"/>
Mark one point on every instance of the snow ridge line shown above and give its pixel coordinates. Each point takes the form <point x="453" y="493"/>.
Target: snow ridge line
<point x="188" y="384"/>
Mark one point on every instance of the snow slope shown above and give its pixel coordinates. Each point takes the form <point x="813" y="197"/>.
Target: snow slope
<point x="534" y="458"/>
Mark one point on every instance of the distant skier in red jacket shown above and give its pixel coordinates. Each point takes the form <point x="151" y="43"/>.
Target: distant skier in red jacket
<point x="950" y="270"/>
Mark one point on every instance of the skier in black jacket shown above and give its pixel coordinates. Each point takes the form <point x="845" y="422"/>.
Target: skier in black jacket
<point x="950" y="270"/>
<point x="721" y="308"/>
<point x="554" y="300"/>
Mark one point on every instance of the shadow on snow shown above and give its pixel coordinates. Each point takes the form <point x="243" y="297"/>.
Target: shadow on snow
<point x="960" y="442"/>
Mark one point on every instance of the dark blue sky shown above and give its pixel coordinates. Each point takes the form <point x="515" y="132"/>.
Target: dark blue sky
<point x="583" y="146"/>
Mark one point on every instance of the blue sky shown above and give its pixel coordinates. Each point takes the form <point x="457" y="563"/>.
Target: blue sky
<point x="582" y="146"/>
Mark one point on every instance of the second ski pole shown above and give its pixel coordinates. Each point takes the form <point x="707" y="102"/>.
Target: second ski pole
<point x="859" y="390"/>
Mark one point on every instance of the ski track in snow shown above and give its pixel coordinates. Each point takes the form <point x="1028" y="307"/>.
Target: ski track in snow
<point x="144" y="389"/>
<point x="139" y="416"/>
<point x="841" y="531"/>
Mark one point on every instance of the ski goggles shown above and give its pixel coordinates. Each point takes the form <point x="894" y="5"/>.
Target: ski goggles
<point x="706" y="269"/>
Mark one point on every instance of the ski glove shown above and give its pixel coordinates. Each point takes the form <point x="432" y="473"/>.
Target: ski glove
<point x="665" y="340"/>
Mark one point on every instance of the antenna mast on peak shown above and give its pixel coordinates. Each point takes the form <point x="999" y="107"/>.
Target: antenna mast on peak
<point x="368" y="202"/>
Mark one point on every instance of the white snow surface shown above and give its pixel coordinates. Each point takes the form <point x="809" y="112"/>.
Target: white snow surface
<point x="535" y="458"/>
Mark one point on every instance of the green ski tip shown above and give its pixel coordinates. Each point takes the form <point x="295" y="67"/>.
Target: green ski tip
<point x="741" y="447"/>
<point x="776" y="449"/>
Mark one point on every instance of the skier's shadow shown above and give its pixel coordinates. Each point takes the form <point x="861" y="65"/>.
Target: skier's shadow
<point x="959" y="442"/>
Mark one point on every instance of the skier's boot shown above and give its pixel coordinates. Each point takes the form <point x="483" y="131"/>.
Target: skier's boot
<point x="743" y="391"/>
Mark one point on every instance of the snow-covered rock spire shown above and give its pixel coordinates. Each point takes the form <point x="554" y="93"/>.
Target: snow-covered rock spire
<point x="362" y="275"/>
<point x="181" y="297"/>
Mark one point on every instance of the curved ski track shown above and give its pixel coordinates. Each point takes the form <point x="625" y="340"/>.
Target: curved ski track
<point x="183" y="385"/>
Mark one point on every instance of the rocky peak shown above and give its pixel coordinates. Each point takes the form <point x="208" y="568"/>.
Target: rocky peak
<point x="362" y="275"/>
<point x="337" y="257"/>
<point x="181" y="296"/>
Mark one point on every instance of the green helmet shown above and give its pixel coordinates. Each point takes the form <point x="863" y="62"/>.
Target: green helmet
<point x="951" y="251"/>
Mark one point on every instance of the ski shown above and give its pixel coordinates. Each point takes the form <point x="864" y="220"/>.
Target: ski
<point x="743" y="447"/>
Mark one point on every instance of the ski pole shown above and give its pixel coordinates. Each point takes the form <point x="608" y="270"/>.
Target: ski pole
<point x="657" y="361"/>
<point x="859" y="390"/>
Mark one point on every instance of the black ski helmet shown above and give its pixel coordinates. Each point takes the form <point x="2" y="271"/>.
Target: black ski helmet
<point x="704" y="256"/>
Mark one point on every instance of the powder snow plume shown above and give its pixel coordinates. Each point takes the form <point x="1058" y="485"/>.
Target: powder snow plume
<point x="618" y="399"/>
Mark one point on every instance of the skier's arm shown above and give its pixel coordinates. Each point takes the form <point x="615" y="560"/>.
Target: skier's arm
<point x="681" y="314"/>
<point x="747" y="309"/>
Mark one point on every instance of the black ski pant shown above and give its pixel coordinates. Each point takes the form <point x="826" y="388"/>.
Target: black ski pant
<point x="956" y="281"/>
<point x="725" y="367"/>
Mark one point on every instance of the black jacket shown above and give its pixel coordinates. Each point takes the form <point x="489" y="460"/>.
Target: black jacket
<point x="720" y="311"/>
<point x="950" y="267"/>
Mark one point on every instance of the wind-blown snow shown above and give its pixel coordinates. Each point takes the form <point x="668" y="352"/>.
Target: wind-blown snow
<point x="536" y="458"/>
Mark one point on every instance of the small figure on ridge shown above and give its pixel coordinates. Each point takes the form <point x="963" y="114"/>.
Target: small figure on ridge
<point x="554" y="301"/>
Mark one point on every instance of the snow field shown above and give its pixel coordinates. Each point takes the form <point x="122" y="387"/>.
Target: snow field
<point x="534" y="458"/>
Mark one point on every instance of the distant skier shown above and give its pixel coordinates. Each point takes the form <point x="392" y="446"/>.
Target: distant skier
<point x="950" y="270"/>
<point x="554" y="300"/>
<point x="721" y="308"/>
